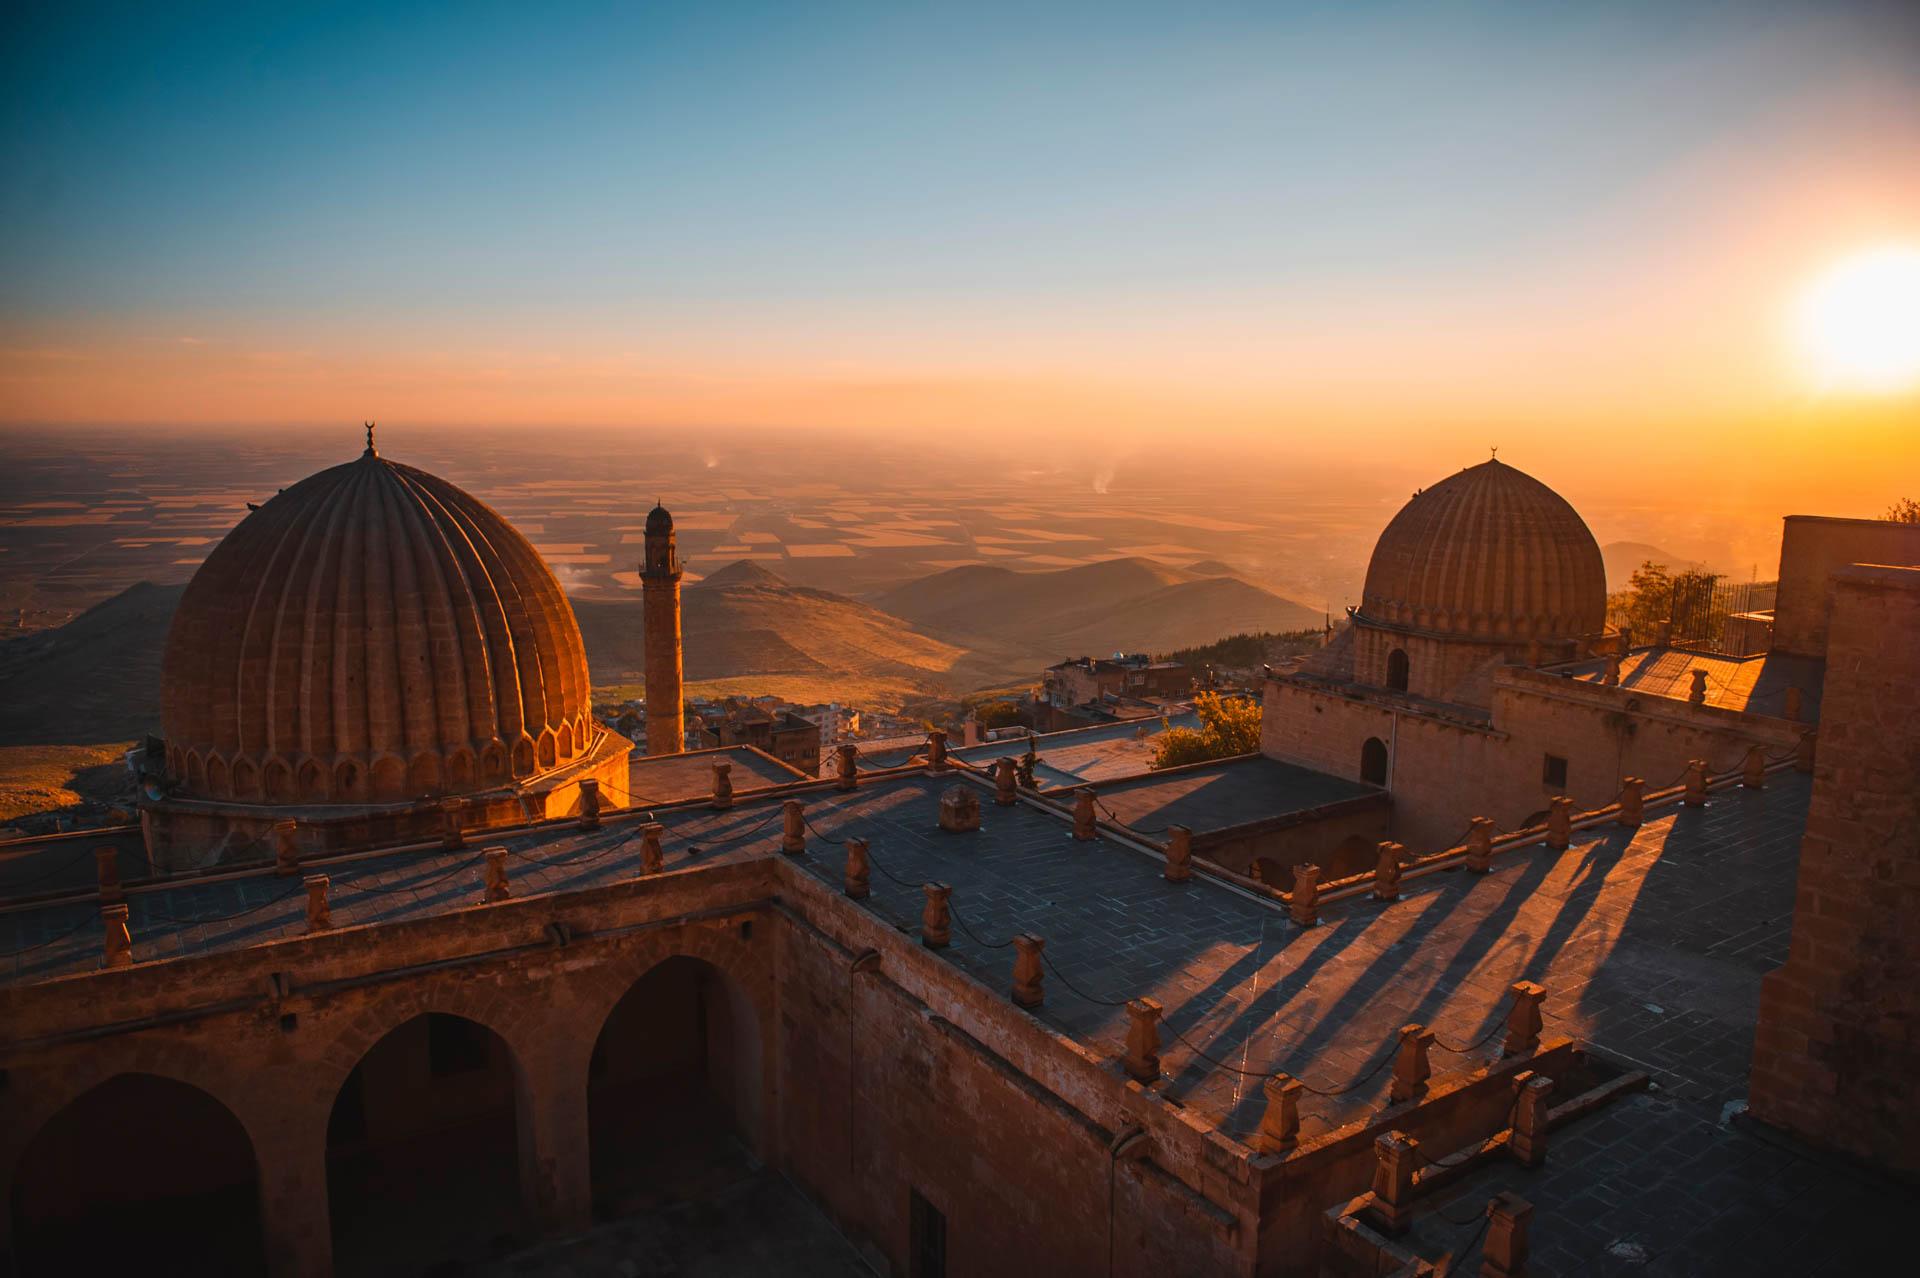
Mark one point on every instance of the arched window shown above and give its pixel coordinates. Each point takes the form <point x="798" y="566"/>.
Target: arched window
<point x="1397" y="670"/>
<point x="1373" y="761"/>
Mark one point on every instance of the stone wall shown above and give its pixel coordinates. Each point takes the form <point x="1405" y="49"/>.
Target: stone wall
<point x="905" y="1076"/>
<point x="1812" y="549"/>
<point x="1838" y="1045"/>
<point x="1443" y="772"/>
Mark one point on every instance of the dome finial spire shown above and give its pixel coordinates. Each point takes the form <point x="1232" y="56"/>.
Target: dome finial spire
<point x="371" y="451"/>
<point x="1493" y="453"/>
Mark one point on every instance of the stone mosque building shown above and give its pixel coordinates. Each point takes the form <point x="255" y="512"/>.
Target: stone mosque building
<point x="1574" y="960"/>
<point x="368" y="644"/>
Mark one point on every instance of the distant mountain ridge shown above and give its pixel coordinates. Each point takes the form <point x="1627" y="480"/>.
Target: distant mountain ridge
<point x="1114" y="605"/>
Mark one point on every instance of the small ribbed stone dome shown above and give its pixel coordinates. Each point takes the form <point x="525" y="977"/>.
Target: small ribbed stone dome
<point x="1489" y="552"/>
<point x="372" y="634"/>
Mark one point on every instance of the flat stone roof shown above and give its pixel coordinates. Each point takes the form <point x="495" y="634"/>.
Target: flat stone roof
<point x="1231" y="792"/>
<point x="1099" y="753"/>
<point x="1651" y="942"/>
<point x="1755" y="684"/>
<point x="673" y="778"/>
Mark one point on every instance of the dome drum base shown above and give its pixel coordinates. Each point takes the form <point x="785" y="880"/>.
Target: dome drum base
<point x="186" y="833"/>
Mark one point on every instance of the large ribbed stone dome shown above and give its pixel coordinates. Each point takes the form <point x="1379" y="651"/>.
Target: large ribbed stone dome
<point x="1489" y="552"/>
<point x="371" y="634"/>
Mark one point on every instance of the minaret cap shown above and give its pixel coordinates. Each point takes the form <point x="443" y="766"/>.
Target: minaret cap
<point x="658" y="520"/>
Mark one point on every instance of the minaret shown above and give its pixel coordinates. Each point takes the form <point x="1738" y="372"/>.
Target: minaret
<point x="660" y="600"/>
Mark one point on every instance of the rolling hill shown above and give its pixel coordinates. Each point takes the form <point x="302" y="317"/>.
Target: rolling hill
<point x="1115" y="605"/>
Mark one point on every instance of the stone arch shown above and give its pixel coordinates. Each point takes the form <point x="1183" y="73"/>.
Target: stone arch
<point x="460" y="771"/>
<point x="347" y="781"/>
<point x="1374" y="761"/>
<point x="1397" y="670"/>
<point x="430" y="1095"/>
<point x="1355" y="854"/>
<point x="563" y="741"/>
<point x="493" y="762"/>
<point x="176" y="762"/>
<point x="679" y="1067"/>
<point x="423" y="774"/>
<point x="196" y="773"/>
<point x="276" y="781"/>
<point x="523" y="757"/>
<point x="546" y="749"/>
<point x="219" y="783"/>
<point x="313" y="779"/>
<point x="246" y="779"/>
<point x="387" y="779"/>
<point x="82" y="1201"/>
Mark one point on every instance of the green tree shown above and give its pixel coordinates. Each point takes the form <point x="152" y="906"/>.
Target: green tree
<point x="1904" y="511"/>
<point x="1228" y="726"/>
<point x="1655" y="593"/>
<point x="998" y="714"/>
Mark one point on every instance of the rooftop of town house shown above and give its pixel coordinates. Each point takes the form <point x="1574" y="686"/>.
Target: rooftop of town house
<point x="674" y="778"/>
<point x="1756" y="684"/>
<point x="1099" y="753"/>
<point x="1069" y="757"/>
<point x="1226" y="793"/>
<point x="1651" y="942"/>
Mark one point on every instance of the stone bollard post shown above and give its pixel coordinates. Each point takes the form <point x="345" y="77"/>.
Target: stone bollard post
<point x="1611" y="679"/>
<point x="1280" y="1124"/>
<point x="936" y="919"/>
<point x="1179" y="854"/>
<point x="653" y="858"/>
<point x="496" y="876"/>
<point x="1523" y="1019"/>
<point x="1028" y="978"/>
<point x="1480" y="845"/>
<point x="1632" y="801"/>
<point x="589" y="803"/>
<point x="859" y="871"/>
<point x="1396" y="1157"/>
<point x="793" y="827"/>
<point x="1803" y="752"/>
<point x="1083" y="816"/>
<point x="319" y="911"/>
<point x="106" y="871"/>
<point x="1005" y="783"/>
<point x="937" y="750"/>
<point x="286" y="852"/>
<point x="1792" y="709"/>
<point x="118" y="941"/>
<point x="1411" y="1066"/>
<point x="1559" y="822"/>
<point x="452" y="837"/>
<point x="1386" y="872"/>
<point x="1531" y="1093"/>
<point x="1303" y="903"/>
<point x="1143" y="1040"/>
<point x="1697" y="694"/>
<point x="722" y="784"/>
<point x="1753" y="772"/>
<point x="1504" y="1252"/>
<point x="848" y="776"/>
<point x="1696" y="795"/>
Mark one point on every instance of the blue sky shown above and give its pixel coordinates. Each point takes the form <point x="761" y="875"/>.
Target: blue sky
<point x="910" y="180"/>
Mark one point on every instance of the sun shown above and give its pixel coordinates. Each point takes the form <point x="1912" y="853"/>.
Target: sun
<point x="1857" y="326"/>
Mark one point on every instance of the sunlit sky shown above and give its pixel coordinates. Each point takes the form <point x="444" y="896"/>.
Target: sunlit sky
<point x="1272" y="224"/>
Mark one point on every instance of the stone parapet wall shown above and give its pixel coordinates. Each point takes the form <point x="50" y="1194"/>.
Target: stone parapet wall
<point x="1838" y="1045"/>
<point x="1812" y="549"/>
